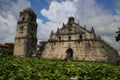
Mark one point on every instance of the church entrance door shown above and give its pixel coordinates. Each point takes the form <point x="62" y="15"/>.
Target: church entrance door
<point x="69" y="53"/>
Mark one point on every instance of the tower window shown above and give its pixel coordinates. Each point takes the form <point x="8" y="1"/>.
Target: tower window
<point x="59" y="38"/>
<point x="21" y="28"/>
<point x="80" y="37"/>
<point x="69" y="37"/>
<point x="23" y="18"/>
<point x="70" y="29"/>
<point x="32" y="19"/>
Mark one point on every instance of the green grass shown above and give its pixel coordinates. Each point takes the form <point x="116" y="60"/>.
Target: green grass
<point x="12" y="68"/>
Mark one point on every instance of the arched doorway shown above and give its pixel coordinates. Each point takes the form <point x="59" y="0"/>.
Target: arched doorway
<point x="69" y="53"/>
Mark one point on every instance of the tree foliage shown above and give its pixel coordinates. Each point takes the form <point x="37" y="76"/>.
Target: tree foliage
<point x="41" y="46"/>
<point x="118" y="35"/>
<point x="41" y="69"/>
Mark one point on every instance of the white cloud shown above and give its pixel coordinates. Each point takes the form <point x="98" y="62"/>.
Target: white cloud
<point x="87" y="12"/>
<point x="105" y="23"/>
<point x="59" y="12"/>
<point x="44" y="29"/>
<point x="9" y="11"/>
<point x="7" y="27"/>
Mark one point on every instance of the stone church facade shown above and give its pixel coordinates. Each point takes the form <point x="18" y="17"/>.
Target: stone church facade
<point x="26" y="34"/>
<point x="73" y="41"/>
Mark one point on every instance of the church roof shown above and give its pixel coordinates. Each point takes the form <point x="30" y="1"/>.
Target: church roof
<point x="4" y="45"/>
<point x="73" y="27"/>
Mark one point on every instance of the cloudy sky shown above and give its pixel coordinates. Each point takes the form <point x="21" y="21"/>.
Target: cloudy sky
<point x="103" y="15"/>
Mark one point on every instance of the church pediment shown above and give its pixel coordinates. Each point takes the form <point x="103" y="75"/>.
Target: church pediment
<point x="73" y="30"/>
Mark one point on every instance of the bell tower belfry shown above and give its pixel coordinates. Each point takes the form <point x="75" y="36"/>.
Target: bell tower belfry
<point x="26" y="34"/>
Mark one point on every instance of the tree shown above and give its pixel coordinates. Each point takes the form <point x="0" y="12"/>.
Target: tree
<point x="41" y="46"/>
<point x="11" y="48"/>
<point x="118" y="35"/>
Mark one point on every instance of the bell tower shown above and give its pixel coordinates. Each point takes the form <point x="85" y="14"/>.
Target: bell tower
<point x="26" y="34"/>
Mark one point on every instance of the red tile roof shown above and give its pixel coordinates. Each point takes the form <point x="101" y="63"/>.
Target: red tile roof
<point x="4" y="45"/>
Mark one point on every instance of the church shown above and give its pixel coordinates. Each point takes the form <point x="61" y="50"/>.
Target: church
<point x="71" y="41"/>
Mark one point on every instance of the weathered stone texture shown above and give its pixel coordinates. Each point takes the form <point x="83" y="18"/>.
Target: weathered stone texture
<point x="26" y="37"/>
<point x="84" y="44"/>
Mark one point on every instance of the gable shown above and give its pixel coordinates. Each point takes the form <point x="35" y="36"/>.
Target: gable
<point x="71" y="31"/>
